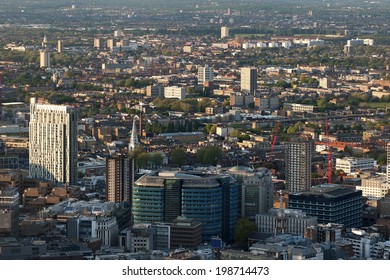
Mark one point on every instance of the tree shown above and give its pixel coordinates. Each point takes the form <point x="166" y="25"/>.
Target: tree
<point x="178" y="157"/>
<point x="209" y="155"/>
<point x="243" y="230"/>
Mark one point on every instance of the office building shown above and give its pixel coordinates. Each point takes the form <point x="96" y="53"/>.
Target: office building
<point x="257" y="194"/>
<point x="205" y="74"/>
<point x="44" y="59"/>
<point x="209" y="199"/>
<point x="224" y="32"/>
<point x="81" y="228"/>
<point x="249" y="79"/>
<point x="53" y="142"/>
<point x="351" y="165"/>
<point x="298" y="155"/>
<point x="119" y="178"/>
<point x="330" y="203"/>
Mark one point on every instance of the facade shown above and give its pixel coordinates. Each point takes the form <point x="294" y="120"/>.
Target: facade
<point x="298" y="156"/>
<point x="98" y="43"/>
<point x="299" y="108"/>
<point x="175" y="92"/>
<point x="224" y="32"/>
<point x="249" y="79"/>
<point x="205" y="74"/>
<point x="257" y="194"/>
<point x="351" y="165"/>
<point x="44" y="59"/>
<point x="81" y="228"/>
<point x="209" y="199"/>
<point x="119" y="178"/>
<point x="53" y="142"/>
<point x="330" y="204"/>
<point x="284" y="221"/>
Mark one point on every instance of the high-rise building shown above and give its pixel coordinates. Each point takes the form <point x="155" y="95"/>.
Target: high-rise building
<point x="257" y="194"/>
<point x="209" y="199"/>
<point x="224" y="32"/>
<point x="98" y="43"/>
<point x="53" y="142"/>
<point x="298" y="155"/>
<point x="44" y="59"/>
<point x="249" y="79"/>
<point x="119" y="178"/>
<point x="60" y="46"/>
<point x="205" y="74"/>
<point x="111" y="43"/>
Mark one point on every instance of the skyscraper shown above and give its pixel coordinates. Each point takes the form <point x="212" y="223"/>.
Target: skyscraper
<point x="119" y="178"/>
<point x="53" y="142"/>
<point x="249" y="79"/>
<point x="298" y="155"/>
<point x="44" y="59"/>
<point x="205" y="74"/>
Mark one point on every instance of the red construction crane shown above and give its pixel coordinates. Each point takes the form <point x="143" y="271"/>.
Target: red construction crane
<point x="275" y="137"/>
<point x="329" y="146"/>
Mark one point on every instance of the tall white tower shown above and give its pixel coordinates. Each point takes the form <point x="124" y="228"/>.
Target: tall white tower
<point x="53" y="142"/>
<point x="44" y="59"/>
<point x="134" y="143"/>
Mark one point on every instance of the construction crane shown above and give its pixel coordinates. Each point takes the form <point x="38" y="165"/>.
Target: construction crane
<point x="1" y="98"/>
<point x="329" y="146"/>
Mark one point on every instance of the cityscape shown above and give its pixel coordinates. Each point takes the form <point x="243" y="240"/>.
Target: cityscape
<point x="194" y="130"/>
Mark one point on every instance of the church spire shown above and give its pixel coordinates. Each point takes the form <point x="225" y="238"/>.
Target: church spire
<point x="134" y="136"/>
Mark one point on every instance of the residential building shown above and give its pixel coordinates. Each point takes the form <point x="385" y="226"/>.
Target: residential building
<point x="175" y="92"/>
<point x="60" y="46"/>
<point x="44" y="58"/>
<point x="224" y="32"/>
<point x="330" y="203"/>
<point x="298" y="156"/>
<point x="249" y="79"/>
<point x="53" y="142"/>
<point x="119" y="178"/>
<point x="155" y="90"/>
<point x="257" y="194"/>
<point x="205" y="74"/>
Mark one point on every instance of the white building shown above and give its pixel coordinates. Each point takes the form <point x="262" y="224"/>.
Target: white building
<point x="284" y="221"/>
<point x="44" y="59"/>
<point x="375" y="187"/>
<point x="224" y="32"/>
<point x="249" y="79"/>
<point x="317" y="42"/>
<point x="107" y="231"/>
<point x="175" y="92"/>
<point x="205" y="74"/>
<point x="351" y="165"/>
<point x="53" y="142"/>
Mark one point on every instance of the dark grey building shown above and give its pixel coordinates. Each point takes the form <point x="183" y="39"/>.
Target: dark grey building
<point x="330" y="203"/>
